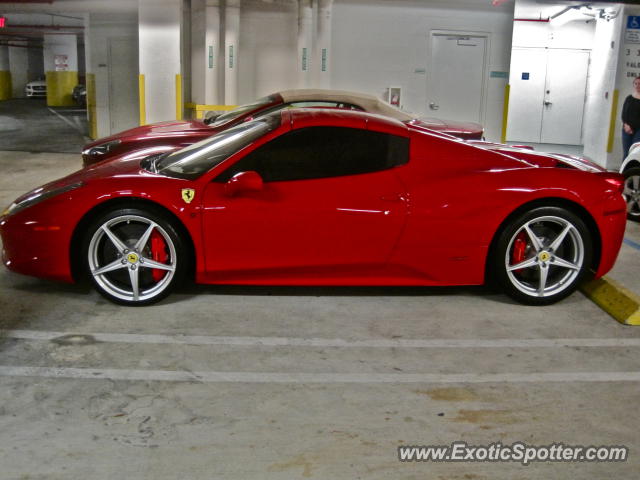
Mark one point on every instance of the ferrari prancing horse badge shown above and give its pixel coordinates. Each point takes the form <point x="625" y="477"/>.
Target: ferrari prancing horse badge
<point x="188" y="194"/>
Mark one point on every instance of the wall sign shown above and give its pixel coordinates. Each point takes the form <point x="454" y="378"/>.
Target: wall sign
<point x="525" y="75"/>
<point x="210" y="56"/>
<point x="304" y="59"/>
<point x="632" y="33"/>
<point x="61" y="63"/>
<point x="230" y="56"/>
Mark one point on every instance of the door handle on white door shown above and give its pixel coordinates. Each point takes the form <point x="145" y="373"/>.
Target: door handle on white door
<point x="546" y="104"/>
<point x="434" y="106"/>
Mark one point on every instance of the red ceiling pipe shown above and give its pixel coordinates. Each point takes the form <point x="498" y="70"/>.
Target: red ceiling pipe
<point x="47" y="27"/>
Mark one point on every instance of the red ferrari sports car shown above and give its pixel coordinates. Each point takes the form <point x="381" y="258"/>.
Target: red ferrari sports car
<point x="323" y="197"/>
<point x="166" y="136"/>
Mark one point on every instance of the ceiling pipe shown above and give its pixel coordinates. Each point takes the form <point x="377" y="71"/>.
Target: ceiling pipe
<point x="305" y="36"/>
<point x="48" y="27"/>
<point x="231" y="40"/>
<point x="13" y="45"/>
<point x="324" y="42"/>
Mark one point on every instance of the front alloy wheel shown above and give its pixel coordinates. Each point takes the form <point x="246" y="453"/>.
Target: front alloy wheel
<point x="543" y="255"/>
<point x="631" y="193"/>
<point x="134" y="257"/>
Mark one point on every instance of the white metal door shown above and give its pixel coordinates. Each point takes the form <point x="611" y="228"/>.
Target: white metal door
<point x="546" y="101"/>
<point x="565" y="96"/>
<point x="123" y="83"/>
<point x="527" y="82"/>
<point x="457" y="76"/>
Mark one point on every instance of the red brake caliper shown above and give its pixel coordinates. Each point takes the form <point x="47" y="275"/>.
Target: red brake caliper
<point x="159" y="254"/>
<point x="519" y="249"/>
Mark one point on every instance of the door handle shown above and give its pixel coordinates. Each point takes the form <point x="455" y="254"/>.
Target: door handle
<point x="546" y="104"/>
<point x="434" y="106"/>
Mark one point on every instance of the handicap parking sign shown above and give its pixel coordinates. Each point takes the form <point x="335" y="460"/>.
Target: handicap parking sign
<point x="633" y="22"/>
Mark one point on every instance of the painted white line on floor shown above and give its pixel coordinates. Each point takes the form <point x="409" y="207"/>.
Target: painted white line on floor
<point x="39" y="335"/>
<point x="309" y="378"/>
<point x="67" y="121"/>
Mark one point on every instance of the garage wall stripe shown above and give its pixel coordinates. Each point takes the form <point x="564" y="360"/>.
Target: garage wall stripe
<point x="612" y="120"/>
<point x="505" y="113"/>
<point x="179" y="107"/>
<point x="311" y="378"/>
<point x="142" y="99"/>
<point x="70" y="338"/>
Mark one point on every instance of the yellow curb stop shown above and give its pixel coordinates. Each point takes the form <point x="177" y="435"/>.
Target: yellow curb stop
<point x="619" y="302"/>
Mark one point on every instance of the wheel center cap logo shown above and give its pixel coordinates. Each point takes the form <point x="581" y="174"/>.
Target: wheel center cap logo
<point x="132" y="258"/>
<point x="544" y="256"/>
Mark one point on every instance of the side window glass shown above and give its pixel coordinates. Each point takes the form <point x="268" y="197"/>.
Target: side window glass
<point x="322" y="152"/>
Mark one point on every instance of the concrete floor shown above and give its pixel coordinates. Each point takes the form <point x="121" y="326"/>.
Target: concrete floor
<point x="27" y="124"/>
<point x="289" y="383"/>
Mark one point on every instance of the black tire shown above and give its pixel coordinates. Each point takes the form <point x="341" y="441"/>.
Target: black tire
<point x="552" y="264"/>
<point x="120" y="250"/>
<point x="632" y="193"/>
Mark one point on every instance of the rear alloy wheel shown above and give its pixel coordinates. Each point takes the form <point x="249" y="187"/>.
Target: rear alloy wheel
<point x="134" y="257"/>
<point x="542" y="256"/>
<point x="631" y="193"/>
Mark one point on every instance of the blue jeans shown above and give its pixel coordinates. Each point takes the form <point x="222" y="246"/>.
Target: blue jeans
<point x="629" y="139"/>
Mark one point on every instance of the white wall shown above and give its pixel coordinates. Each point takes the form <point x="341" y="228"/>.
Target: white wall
<point x="102" y="27"/>
<point x="60" y="45"/>
<point x="577" y="34"/>
<point x="377" y="43"/>
<point x="602" y="80"/>
<point x="159" y="36"/>
<point x="267" y="52"/>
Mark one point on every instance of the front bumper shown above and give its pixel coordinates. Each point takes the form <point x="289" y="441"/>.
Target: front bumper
<point x="35" y="93"/>
<point x="36" y="248"/>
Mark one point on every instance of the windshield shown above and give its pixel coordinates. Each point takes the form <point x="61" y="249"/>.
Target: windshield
<point x="191" y="162"/>
<point x="244" y="109"/>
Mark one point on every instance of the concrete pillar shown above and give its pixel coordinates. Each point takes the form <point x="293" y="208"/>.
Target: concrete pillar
<point x="61" y="68"/>
<point x="324" y="43"/>
<point x="159" y="28"/>
<point x="5" y="73"/>
<point x="231" y="40"/>
<point x="19" y="65"/>
<point x="205" y="48"/>
<point x="305" y="39"/>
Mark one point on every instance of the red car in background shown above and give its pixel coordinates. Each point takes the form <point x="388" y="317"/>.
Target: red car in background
<point x="323" y="197"/>
<point x="166" y="136"/>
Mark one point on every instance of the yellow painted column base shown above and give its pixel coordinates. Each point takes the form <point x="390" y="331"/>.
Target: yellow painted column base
<point x="60" y="88"/>
<point x="613" y="298"/>
<point x="5" y="85"/>
<point x="91" y="105"/>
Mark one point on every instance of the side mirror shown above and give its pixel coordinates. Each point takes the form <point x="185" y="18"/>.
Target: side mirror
<point x="243" y="182"/>
<point x="210" y="117"/>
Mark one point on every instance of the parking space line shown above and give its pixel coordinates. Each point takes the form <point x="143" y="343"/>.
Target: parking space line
<point x="68" y="122"/>
<point x="39" y="335"/>
<point x="311" y="378"/>
<point x="632" y="244"/>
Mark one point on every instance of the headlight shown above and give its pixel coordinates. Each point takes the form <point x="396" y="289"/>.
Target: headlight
<point x="102" y="148"/>
<point x="36" y="197"/>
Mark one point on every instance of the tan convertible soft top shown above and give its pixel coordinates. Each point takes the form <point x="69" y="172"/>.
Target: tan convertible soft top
<point x="368" y="103"/>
